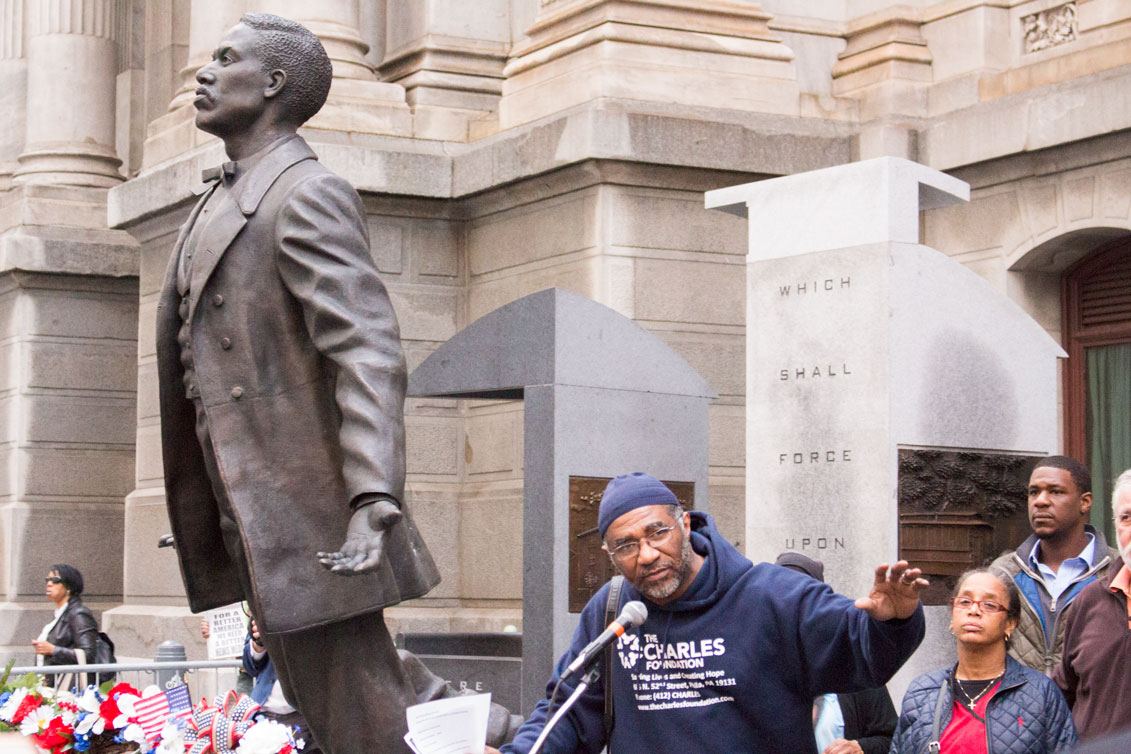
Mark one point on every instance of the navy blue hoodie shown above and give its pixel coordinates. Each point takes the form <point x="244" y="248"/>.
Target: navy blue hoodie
<point x="731" y="666"/>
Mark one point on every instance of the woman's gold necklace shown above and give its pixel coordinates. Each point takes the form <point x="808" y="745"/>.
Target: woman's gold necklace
<point x="971" y="701"/>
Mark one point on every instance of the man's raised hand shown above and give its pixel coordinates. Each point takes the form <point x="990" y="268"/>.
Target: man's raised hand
<point x="895" y="592"/>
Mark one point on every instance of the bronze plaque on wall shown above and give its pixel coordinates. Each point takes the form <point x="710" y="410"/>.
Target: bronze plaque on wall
<point x="589" y="566"/>
<point x="959" y="510"/>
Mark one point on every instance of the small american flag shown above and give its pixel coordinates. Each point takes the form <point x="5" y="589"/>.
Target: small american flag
<point x="154" y="711"/>
<point x="180" y="704"/>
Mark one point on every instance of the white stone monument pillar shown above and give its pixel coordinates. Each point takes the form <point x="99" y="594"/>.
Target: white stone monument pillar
<point x="13" y="87"/>
<point x="861" y="343"/>
<point x="71" y="82"/>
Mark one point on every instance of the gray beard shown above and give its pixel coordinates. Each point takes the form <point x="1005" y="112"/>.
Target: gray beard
<point x="667" y="588"/>
<point x="1125" y="553"/>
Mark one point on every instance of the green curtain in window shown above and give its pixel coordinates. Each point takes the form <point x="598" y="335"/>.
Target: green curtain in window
<point x="1109" y="425"/>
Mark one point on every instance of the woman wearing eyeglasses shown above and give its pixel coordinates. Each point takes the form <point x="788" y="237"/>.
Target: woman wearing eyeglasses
<point x="988" y="703"/>
<point x="73" y="627"/>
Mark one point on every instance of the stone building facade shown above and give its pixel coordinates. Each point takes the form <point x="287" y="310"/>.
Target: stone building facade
<point x="502" y="147"/>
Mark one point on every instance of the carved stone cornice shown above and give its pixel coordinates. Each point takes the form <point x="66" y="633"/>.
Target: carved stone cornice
<point x="568" y="25"/>
<point x="891" y="39"/>
<point x="437" y="61"/>
<point x="695" y="53"/>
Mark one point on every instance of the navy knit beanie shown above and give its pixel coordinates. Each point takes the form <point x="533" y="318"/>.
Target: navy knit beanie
<point x="629" y="492"/>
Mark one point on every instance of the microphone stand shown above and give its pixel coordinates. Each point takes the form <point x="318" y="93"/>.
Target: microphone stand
<point x="586" y="681"/>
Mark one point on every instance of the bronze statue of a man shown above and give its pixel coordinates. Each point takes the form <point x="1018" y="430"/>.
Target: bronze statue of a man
<point x="282" y="386"/>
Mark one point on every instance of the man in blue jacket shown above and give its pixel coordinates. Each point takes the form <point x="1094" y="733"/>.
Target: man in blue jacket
<point x="732" y="654"/>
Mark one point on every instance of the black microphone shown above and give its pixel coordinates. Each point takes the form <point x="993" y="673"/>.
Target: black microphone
<point x="633" y="614"/>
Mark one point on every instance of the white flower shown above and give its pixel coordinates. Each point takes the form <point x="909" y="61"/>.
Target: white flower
<point x="265" y="737"/>
<point x="126" y="711"/>
<point x="37" y="720"/>
<point x="90" y="723"/>
<point x="12" y="704"/>
<point x="134" y="733"/>
<point x="172" y="741"/>
<point x="90" y="700"/>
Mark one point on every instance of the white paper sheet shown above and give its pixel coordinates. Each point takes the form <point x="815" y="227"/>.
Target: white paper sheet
<point x="228" y="628"/>
<point x="457" y="725"/>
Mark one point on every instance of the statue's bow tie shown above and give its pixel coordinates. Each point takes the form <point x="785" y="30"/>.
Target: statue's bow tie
<point x="226" y="173"/>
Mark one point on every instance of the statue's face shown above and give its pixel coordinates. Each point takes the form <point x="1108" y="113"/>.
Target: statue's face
<point x="230" y="96"/>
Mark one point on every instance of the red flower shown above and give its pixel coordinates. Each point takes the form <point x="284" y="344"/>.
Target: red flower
<point x="287" y="749"/>
<point x="57" y="736"/>
<point x="29" y="703"/>
<point x="123" y="687"/>
<point x="108" y="711"/>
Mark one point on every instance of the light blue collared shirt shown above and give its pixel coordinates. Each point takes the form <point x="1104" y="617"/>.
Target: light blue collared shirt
<point x="830" y="721"/>
<point x="1070" y="570"/>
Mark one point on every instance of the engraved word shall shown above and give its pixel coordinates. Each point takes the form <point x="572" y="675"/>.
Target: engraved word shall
<point x="802" y="373"/>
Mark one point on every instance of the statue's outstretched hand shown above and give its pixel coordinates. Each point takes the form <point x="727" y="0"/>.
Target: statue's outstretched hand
<point x="365" y="539"/>
<point x="895" y="593"/>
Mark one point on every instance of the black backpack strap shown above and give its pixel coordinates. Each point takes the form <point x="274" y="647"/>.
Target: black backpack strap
<point x="612" y="609"/>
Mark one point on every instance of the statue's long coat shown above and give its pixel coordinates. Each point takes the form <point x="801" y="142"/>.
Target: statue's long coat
<point x="302" y="377"/>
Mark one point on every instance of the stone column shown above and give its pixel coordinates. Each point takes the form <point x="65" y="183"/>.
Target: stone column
<point x="13" y="87"/>
<point x="71" y="80"/>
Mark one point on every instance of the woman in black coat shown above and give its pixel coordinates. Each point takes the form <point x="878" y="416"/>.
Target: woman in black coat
<point x="73" y="629"/>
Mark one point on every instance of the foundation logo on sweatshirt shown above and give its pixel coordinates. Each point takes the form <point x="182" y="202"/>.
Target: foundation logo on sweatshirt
<point x="628" y="648"/>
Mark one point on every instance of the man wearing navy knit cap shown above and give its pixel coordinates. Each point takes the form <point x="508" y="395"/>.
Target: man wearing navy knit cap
<point x="732" y="654"/>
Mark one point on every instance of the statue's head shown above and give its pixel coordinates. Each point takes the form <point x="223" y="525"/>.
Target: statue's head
<point x="265" y="68"/>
